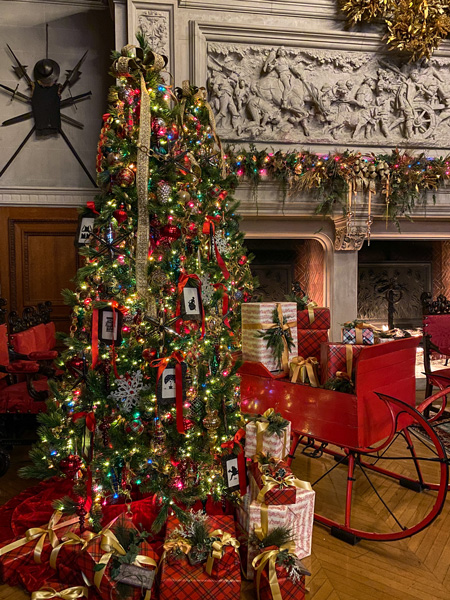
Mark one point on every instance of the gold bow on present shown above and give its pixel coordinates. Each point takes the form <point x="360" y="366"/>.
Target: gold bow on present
<point x="40" y="534"/>
<point x="71" y="539"/>
<point x="225" y="539"/>
<point x="269" y="483"/>
<point x="47" y="593"/>
<point x="261" y="425"/>
<point x="304" y="368"/>
<point x="180" y="543"/>
<point x="270" y="557"/>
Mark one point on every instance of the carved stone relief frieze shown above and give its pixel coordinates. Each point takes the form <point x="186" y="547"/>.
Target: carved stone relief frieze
<point x="154" y="24"/>
<point x="282" y="94"/>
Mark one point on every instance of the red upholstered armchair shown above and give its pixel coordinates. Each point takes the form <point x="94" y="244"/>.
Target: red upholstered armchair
<point x="436" y="338"/>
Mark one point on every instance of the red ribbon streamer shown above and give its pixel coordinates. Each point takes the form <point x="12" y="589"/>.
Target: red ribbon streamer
<point x="114" y="305"/>
<point x="94" y="338"/>
<point x="181" y="285"/>
<point x="91" y="206"/>
<point x="240" y="433"/>
<point x="90" y="419"/>
<point x="209" y="228"/>
<point x="224" y="304"/>
<point x="161" y="363"/>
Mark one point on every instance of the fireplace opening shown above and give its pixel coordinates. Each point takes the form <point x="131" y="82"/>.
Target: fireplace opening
<point x="278" y="263"/>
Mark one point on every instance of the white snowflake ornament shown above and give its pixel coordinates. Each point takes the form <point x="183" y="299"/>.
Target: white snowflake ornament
<point x="207" y="288"/>
<point x="127" y="391"/>
<point x="221" y="242"/>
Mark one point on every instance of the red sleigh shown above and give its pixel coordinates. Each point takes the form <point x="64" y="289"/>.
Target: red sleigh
<point x="366" y="439"/>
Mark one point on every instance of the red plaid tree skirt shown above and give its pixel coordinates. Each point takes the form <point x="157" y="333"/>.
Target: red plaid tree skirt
<point x="309" y="341"/>
<point x="288" y="589"/>
<point x="321" y="318"/>
<point x="334" y="358"/>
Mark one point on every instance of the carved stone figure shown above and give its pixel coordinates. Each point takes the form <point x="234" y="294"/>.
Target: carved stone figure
<point x="290" y="94"/>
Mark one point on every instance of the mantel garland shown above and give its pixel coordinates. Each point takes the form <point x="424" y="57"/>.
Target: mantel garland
<point x="401" y="178"/>
<point x="415" y="27"/>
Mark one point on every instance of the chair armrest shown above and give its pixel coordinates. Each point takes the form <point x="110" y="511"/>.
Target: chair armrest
<point x="44" y="355"/>
<point x="22" y="367"/>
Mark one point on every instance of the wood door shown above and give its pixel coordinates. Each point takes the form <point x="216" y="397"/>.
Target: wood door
<point x="38" y="258"/>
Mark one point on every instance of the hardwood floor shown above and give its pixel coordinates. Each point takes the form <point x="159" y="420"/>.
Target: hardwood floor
<point x="417" y="567"/>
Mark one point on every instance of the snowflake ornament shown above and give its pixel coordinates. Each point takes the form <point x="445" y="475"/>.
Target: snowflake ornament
<point x="207" y="288"/>
<point x="221" y="242"/>
<point x="127" y="391"/>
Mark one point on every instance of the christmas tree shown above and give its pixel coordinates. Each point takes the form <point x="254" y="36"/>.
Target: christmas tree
<point x="149" y="390"/>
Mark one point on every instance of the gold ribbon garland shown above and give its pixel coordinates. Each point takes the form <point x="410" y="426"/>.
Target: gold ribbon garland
<point x="225" y="539"/>
<point x="40" y="534"/>
<point x="304" y="367"/>
<point x="71" y="593"/>
<point x="270" y="557"/>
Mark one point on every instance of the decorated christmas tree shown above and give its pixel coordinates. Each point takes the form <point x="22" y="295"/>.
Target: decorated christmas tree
<point x="149" y="391"/>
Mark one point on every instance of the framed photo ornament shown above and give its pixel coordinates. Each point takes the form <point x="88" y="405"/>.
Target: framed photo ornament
<point x="191" y="303"/>
<point x="232" y="475"/>
<point x="166" y="391"/>
<point x="110" y="326"/>
<point x="84" y="231"/>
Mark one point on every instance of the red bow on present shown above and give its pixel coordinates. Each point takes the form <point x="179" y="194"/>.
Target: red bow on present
<point x="240" y="433"/>
<point x="184" y="278"/>
<point x="209" y="228"/>
<point x="162" y="363"/>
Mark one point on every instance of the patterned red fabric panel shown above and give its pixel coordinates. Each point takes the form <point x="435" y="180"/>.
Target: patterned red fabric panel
<point x="24" y="342"/>
<point x="15" y="398"/>
<point x="321" y="318"/>
<point x="309" y="341"/>
<point x="40" y="338"/>
<point x="22" y="366"/>
<point x="50" y="333"/>
<point x="44" y="355"/>
<point x="438" y="328"/>
<point x="182" y="581"/>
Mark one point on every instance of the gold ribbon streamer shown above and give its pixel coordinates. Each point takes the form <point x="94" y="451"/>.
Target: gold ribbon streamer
<point x="349" y="359"/>
<point x="304" y="366"/>
<point x="143" y="228"/>
<point x="47" y="593"/>
<point x="311" y="306"/>
<point x="39" y="534"/>
<point x="269" y="483"/>
<point x="71" y="539"/>
<point x="270" y="557"/>
<point x="225" y="539"/>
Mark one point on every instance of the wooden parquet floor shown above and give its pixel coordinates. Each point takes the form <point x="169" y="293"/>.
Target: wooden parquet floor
<point x="417" y="567"/>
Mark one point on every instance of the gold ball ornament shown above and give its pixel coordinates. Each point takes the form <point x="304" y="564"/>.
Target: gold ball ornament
<point x="212" y="423"/>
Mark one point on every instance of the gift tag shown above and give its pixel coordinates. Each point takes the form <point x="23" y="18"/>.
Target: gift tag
<point x="136" y="576"/>
<point x="110" y="326"/>
<point x="85" y="229"/>
<point x="191" y="308"/>
<point x="231" y="474"/>
<point x="167" y="386"/>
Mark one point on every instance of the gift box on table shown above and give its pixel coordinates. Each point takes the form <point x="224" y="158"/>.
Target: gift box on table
<point x="277" y="485"/>
<point x="103" y="548"/>
<point x="337" y="357"/>
<point x="358" y="333"/>
<point x="183" y="581"/>
<point x="34" y="547"/>
<point x="258" y="317"/>
<point x="258" y="437"/>
<point x="305" y="370"/>
<point x="309" y="341"/>
<point x="313" y="317"/>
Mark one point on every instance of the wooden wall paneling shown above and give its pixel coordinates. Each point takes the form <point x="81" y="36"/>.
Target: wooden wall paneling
<point x="38" y="257"/>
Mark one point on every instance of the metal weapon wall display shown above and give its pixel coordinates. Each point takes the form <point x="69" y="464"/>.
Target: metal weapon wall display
<point x="46" y="102"/>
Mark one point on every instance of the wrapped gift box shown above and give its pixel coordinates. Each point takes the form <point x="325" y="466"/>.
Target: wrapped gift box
<point x="288" y="589"/>
<point x="356" y="335"/>
<point x="271" y="443"/>
<point x="299" y="517"/>
<point x="338" y="357"/>
<point x="309" y="341"/>
<point x="91" y="555"/>
<point x="258" y="316"/>
<point x="66" y="554"/>
<point x="22" y="551"/>
<point x="184" y="581"/>
<point x="305" y="371"/>
<point x="314" y="318"/>
<point x="277" y="492"/>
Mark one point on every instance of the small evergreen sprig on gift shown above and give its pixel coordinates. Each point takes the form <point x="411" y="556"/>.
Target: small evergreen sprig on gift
<point x="197" y="533"/>
<point x="279" y="537"/>
<point x="277" y="424"/>
<point x="277" y="336"/>
<point x="298" y="295"/>
<point x="340" y="384"/>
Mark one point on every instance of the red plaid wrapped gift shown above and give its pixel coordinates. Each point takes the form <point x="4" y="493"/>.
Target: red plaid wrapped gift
<point x="336" y="357"/>
<point x="258" y="439"/>
<point x="36" y="546"/>
<point x="272" y="581"/>
<point x="358" y="333"/>
<point x="309" y="341"/>
<point x="65" y="555"/>
<point x="313" y="317"/>
<point x="257" y="317"/>
<point x="183" y="581"/>
<point x="275" y="483"/>
<point x="100" y="551"/>
<point x="299" y="517"/>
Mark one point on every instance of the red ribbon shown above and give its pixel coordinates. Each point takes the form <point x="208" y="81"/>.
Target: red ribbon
<point x="94" y="338"/>
<point x="91" y="206"/>
<point x="161" y="363"/>
<point x="224" y="304"/>
<point x="90" y="419"/>
<point x="209" y="228"/>
<point x="183" y="280"/>
<point x="240" y="433"/>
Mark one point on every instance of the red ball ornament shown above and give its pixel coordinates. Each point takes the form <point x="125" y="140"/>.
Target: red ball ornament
<point x="70" y="465"/>
<point x="125" y="177"/>
<point x="135" y="427"/>
<point x="74" y="363"/>
<point x="120" y="214"/>
<point x="243" y="260"/>
<point x="169" y="233"/>
<point x="149" y="355"/>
